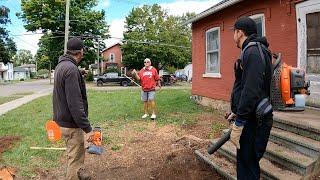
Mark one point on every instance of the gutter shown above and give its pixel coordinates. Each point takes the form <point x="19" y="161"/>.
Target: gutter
<point x="211" y="11"/>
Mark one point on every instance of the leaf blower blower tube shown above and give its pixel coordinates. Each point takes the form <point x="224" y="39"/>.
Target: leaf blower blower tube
<point x="214" y="147"/>
<point x="225" y="137"/>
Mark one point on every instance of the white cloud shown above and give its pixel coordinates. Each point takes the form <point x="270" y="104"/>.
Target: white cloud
<point x="180" y="7"/>
<point x="104" y="3"/>
<point x="116" y="31"/>
<point x="28" y="41"/>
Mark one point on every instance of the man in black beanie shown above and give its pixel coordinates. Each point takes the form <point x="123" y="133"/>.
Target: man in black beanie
<point x="70" y="107"/>
<point x="252" y="84"/>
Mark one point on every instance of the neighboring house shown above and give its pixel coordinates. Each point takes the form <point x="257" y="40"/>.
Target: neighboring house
<point x="21" y="73"/>
<point x="112" y="56"/>
<point x="30" y="67"/>
<point x="291" y="27"/>
<point x="6" y="71"/>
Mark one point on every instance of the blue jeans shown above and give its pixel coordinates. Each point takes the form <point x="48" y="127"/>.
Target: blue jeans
<point x="253" y="143"/>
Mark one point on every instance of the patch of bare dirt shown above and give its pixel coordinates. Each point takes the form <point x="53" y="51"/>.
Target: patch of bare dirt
<point x="7" y="142"/>
<point x="149" y="151"/>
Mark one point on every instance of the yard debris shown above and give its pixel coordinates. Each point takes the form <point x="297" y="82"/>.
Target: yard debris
<point x="7" y="173"/>
<point x="190" y="141"/>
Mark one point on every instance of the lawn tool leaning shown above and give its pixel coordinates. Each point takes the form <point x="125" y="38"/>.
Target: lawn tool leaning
<point x="95" y="141"/>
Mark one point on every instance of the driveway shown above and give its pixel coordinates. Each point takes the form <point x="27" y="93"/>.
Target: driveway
<point x="37" y="86"/>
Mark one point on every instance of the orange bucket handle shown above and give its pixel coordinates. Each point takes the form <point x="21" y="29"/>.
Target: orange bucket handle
<point x="53" y="131"/>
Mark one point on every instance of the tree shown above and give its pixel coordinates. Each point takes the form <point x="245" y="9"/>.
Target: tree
<point x="49" y="17"/>
<point x="151" y="32"/>
<point x="23" y="57"/>
<point x="7" y="46"/>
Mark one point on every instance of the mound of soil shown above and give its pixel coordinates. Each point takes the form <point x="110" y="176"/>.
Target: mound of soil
<point x="144" y="150"/>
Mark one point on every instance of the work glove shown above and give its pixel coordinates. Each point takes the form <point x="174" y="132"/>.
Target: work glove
<point x="236" y="132"/>
<point x="230" y="116"/>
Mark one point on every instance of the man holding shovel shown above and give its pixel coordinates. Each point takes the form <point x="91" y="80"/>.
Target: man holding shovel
<point x="149" y="78"/>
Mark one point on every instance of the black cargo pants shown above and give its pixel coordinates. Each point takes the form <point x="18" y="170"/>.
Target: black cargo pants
<point x="253" y="143"/>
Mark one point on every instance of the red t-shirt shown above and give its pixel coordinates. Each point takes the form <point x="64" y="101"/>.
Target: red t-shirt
<point x="148" y="78"/>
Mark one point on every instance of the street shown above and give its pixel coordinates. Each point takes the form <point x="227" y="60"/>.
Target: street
<point x="37" y="86"/>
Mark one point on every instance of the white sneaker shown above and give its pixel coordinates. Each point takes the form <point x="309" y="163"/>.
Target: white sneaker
<point x="145" y="116"/>
<point x="153" y="116"/>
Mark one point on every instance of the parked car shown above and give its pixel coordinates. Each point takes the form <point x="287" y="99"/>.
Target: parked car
<point x="111" y="78"/>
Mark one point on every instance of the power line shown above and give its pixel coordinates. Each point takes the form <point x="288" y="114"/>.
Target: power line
<point x="25" y="41"/>
<point x="127" y="40"/>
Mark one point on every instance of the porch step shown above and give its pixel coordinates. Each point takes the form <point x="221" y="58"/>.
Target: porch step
<point x="304" y="145"/>
<point x="268" y="169"/>
<point x="216" y="162"/>
<point x="306" y="123"/>
<point x="282" y="156"/>
<point x="290" y="159"/>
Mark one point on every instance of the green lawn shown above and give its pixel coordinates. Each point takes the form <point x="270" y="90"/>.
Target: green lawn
<point x="106" y="109"/>
<point x="13" y="97"/>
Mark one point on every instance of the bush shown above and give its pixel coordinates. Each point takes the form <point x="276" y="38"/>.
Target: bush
<point x="43" y="72"/>
<point x="33" y="75"/>
<point x="89" y="76"/>
<point x="171" y="70"/>
<point x="21" y="79"/>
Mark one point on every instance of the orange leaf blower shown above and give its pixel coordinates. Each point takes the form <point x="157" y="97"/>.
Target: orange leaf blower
<point x="288" y="87"/>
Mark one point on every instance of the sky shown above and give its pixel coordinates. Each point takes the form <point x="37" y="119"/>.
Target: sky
<point x="116" y="11"/>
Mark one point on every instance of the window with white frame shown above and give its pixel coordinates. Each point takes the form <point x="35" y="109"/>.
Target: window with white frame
<point x="259" y="19"/>
<point x="112" y="57"/>
<point x="213" y="53"/>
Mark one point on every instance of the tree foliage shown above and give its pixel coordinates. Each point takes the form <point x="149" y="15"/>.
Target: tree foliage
<point x="49" y="17"/>
<point x="151" y="32"/>
<point x="23" y="57"/>
<point x="7" y="46"/>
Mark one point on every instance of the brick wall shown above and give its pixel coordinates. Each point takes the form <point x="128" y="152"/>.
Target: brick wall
<point x="280" y="27"/>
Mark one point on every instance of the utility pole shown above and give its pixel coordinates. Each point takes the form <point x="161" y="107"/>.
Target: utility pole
<point x="66" y="28"/>
<point x="98" y="54"/>
<point x="50" y="73"/>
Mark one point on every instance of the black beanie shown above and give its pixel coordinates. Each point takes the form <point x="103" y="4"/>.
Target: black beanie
<point x="247" y="25"/>
<point x="74" y="44"/>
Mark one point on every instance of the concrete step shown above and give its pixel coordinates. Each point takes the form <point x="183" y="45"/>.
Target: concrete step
<point x="290" y="159"/>
<point x="273" y="163"/>
<point x="221" y="165"/>
<point x="305" y="123"/>
<point x="304" y="145"/>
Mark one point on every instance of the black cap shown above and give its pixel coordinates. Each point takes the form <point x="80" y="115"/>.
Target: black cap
<point x="75" y="44"/>
<point x="247" y="25"/>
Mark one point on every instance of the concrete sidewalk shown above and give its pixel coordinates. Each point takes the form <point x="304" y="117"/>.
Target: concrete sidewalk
<point x="6" y="107"/>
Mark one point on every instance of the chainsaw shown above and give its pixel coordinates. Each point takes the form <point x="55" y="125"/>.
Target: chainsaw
<point x="95" y="141"/>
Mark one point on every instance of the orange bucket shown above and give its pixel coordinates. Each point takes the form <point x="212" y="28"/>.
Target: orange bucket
<point x="53" y="131"/>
